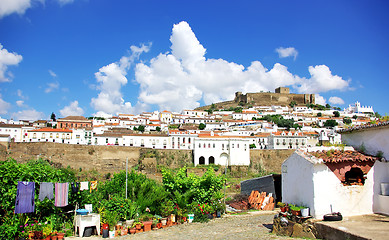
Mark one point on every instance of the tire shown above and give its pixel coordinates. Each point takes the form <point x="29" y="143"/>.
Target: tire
<point x="333" y="217"/>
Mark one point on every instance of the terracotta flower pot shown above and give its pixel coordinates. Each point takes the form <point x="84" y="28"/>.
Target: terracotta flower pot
<point x="138" y="226"/>
<point x="132" y="230"/>
<point x="159" y="225"/>
<point x="60" y="235"/>
<point x="147" y="225"/>
<point x="54" y="237"/>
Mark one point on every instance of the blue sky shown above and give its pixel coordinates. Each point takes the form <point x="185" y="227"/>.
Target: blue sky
<point x="98" y="57"/>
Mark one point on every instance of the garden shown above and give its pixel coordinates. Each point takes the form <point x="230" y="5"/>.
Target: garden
<point x="146" y="205"/>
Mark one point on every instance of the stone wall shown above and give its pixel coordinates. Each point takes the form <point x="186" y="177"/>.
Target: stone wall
<point x="113" y="158"/>
<point x="268" y="160"/>
<point x="101" y="158"/>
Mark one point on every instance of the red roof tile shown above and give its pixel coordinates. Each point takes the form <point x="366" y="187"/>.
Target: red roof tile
<point x="337" y="156"/>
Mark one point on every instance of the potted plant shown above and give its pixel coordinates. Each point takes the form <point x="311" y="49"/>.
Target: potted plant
<point x="147" y="220"/>
<point x="112" y="219"/>
<point x="304" y="211"/>
<point x="295" y="210"/>
<point x="138" y="226"/>
<point x="47" y="230"/>
<point x="283" y="206"/>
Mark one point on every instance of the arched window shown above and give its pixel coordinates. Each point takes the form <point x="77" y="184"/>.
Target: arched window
<point x="201" y="160"/>
<point x="211" y="160"/>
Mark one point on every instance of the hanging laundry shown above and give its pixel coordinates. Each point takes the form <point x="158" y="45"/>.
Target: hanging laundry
<point x="84" y="186"/>
<point x="61" y="194"/>
<point x="75" y="187"/>
<point x="46" y="190"/>
<point x="93" y="185"/>
<point x="25" y="195"/>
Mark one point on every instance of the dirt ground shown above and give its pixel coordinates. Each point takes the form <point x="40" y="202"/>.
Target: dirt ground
<point x="254" y="225"/>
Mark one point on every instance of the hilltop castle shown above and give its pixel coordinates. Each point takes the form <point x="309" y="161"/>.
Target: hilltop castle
<point x="280" y="97"/>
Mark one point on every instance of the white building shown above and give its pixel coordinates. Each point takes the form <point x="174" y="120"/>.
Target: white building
<point x="49" y="135"/>
<point x="374" y="140"/>
<point x="357" y="108"/>
<point x="287" y="140"/>
<point x="195" y="113"/>
<point x="343" y="180"/>
<point x="221" y="150"/>
<point x="157" y="141"/>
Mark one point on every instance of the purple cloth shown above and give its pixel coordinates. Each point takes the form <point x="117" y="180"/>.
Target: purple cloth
<point x="25" y="197"/>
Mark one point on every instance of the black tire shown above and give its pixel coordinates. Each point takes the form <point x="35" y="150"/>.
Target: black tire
<point x="333" y="217"/>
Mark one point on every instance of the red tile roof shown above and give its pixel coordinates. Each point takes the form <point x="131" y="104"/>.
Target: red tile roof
<point x="337" y="156"/>
<point x="364" y="127"/>
<point x="65" y="130"/>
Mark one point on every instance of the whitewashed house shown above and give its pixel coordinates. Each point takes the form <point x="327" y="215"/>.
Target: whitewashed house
<point x="157" y="141"/>
<point x="221" y="150"/>
<point x="319" y="180"/>
<point x="287" y="140"/>
<point x="61" y="135"/>
<point x="374" y="140"/>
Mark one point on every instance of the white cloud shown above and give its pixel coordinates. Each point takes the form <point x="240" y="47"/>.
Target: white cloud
<point x="320" y="100"/>
<point x="336" y="100"/>
<point x="7" y="59"/>
<point x="53" y="74"/>
<point x="30" y="114"/>
<point x="111" y="78"/>
<point x="72" y="110"/>
<point x="4" y="106"/>
<point x="8" y="7"/>
<point x="185" y="77"/>
<point x="51" y="87"/>
<point x="20" y="103"/>
<point x="287" y="52"/>
<point x="322" y="80"/>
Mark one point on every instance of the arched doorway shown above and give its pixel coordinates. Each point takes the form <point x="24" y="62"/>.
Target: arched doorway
<point x="201" y="160"/>
<point x="224" y="159"/>
<point x="211" y="160"/>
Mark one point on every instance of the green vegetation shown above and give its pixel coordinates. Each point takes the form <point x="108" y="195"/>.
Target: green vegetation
<point x="280" y="121"/>
<point x="179" y="193"/>
<point x="347" y="120"/>
<point x="202" y="126"/>
<point x="330" y="123"/>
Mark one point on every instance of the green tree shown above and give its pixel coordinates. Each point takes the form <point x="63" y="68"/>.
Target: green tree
<point x="158" y="129"/>
<point x="330" y="123"/>
<point x="292" y="104"/>
<point x="336" y="114"/>
<point x="328" y="106"/>
<point x="319" y="114"/>
<point x="52" y="117"/>
<point x="202" y="126"/>
<point x="252" y="146"/>
<point x="355" y="117"/>
<point x="347" y="120"/>
<point x="141" y="128"/>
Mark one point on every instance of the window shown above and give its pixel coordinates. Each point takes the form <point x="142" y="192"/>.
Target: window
<point x="209" y="145"/>
<point x="34" y="136"/>
<point x="213" y="145"/>
<point x="232" y="145"/>
<point x="43" y="135"/>
<point x="199" y="145"/>
<point x="106" y="140"/>
<point x="51" y="135"/>
<point x="223" y="146"/>
<point x="57" y="136"/>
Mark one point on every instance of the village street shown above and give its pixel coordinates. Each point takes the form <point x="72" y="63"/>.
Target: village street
<point x="253" y="225"/>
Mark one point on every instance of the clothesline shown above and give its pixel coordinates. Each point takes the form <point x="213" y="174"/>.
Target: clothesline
<point x="25" y="195"/>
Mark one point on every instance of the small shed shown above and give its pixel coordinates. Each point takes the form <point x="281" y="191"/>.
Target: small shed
<point x="321" y="179"/>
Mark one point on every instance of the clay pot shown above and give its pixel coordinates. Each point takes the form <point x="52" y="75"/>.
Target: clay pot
<point x="60" y="235"/>
<point x="147" y="225"/>
<point x="138" y="226"/>
<point x="132" y="230"/>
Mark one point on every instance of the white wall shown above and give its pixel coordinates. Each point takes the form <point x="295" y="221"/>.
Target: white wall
<point x="381" y="174"/>
<point x="374" y="140"/>
<point x="313" y="184"/>
<point x="297" y="181"/>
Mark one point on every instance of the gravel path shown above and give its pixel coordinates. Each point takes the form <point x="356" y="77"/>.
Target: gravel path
<point x="255" y="225"/>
